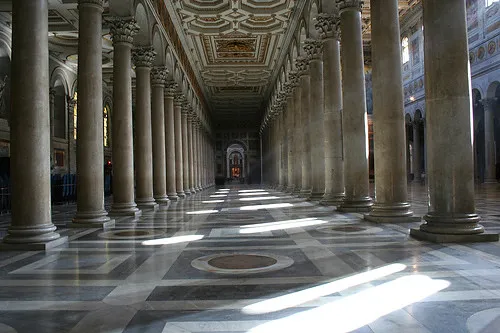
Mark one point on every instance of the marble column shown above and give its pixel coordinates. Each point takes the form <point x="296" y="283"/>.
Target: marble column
<point x="31" y="227"/>
<point x="417" y="153"/>
<point x="284" y="144"/>
<point x="191" y="151"/>
<point x="290" y="136"/>
<point x="179" y="168"/>
<point x="122" y="32"/>
<point x="305" y="80"/>
<point x="489" y="140"/>
<point x="200" y="155"/>
<point x="143" y="58"/>
<point x="196" y="159"/>
<point x="329" y="26"/>
<point x="279" y="144"/>
<point x="170" y="140"/>
<point x="451" y="213"/>
<point x="314" y="49"/>
<point x="297" y="133"/>
<point x="357" y="198"/>
<point x="90" y="148"/>
<point x="391" y="200"/>
<point x="158" y="79"/>
<point x="185" y="149"/>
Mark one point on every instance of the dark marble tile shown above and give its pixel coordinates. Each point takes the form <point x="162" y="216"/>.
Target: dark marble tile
<point x="42" y="321"/>
<point x="224" y="292"/>
<point x="448" y="317"/>
<point x="54" y="293"/>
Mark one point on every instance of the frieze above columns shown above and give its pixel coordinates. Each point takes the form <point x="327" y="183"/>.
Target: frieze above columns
<point x="349" y="5"/>
<point x="123" y="30"/>
<point x="159" y="76"/>
<point x="313" y="48"/>
<point x="328" y="25"/>
<point x="143" y="56"/>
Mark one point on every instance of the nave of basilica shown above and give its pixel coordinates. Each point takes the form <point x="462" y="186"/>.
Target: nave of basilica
<point x="249" y="166"/>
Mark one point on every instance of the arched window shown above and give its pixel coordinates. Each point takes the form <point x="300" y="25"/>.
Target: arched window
<point x="75" y="115"/>
<point x="406" y="50"/>
<point x="106" y="126"/>
<point x="490" y="2"/>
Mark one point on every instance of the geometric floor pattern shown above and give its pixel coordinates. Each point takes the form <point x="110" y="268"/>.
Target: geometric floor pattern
<point x="242" y="259"/>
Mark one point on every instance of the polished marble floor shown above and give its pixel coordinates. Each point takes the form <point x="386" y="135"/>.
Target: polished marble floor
<point x="242" y="260"/>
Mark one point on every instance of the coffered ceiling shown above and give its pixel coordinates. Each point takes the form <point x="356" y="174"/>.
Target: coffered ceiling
<point x="235" y="47"/>
<point x="235" y="44"/>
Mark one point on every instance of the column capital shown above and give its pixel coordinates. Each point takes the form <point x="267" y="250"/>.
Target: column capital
<point x="143" y="56"/>
<point x="345" y="5"/>
<point x="313" y="48"/>
<point x="328" y="25"/>
<point x="178" y="99"/>
<point x="302" y="64"/>
<point x="294" y="78"/>
<point x="289" y="87"/>
<point x="123" y="29"/>
<point x="170" y="89"/>
<point x="185" y="108"/>
<point x="488" y="104"/>
<point x="159" y="76"/>
<point x="71" y="102"/>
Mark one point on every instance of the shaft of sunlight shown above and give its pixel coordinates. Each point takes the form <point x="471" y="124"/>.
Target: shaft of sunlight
<point x="310" y="294"/>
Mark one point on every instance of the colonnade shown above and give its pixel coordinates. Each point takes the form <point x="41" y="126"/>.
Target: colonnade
<point x="327" y="87"/>
<point x="166" y="155"/>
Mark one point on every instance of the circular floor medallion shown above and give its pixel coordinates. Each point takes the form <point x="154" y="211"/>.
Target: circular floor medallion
<point x="131" y="234"/>
<point x="486" y="321"/>
<point x="349" y="228"/>
<point x="241" y="263"/>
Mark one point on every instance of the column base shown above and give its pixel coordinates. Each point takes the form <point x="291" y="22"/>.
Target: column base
<point x="391" y="219"/>
<point x="356" y="205"/>
<point x="147" y="204"/>
<point x="173" y="197"/>
<point x="296" y="191"/>
<point x="181" y="195"/>
<point x="125" y="209"/>
<point x="315" y="196"/>
<point x="199" y="189"/>
<point x="193" y="191"/>
<point x="332" y="199"/>
<point x="391" y="213"/>
<point x="37" y="246"/>
<point x="452" y="238"/>
<point x="290" y="189"/>
<point x="187" y="192"/>
<point x="40" y="233"/>
<point x="304" y="193"/>
<point x="162" y="200"/>
<point x="99" y="219"/>
<point x="452" y="224"/>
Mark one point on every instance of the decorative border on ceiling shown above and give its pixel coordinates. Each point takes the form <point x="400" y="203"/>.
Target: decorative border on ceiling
<point x="166" y="20"/>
